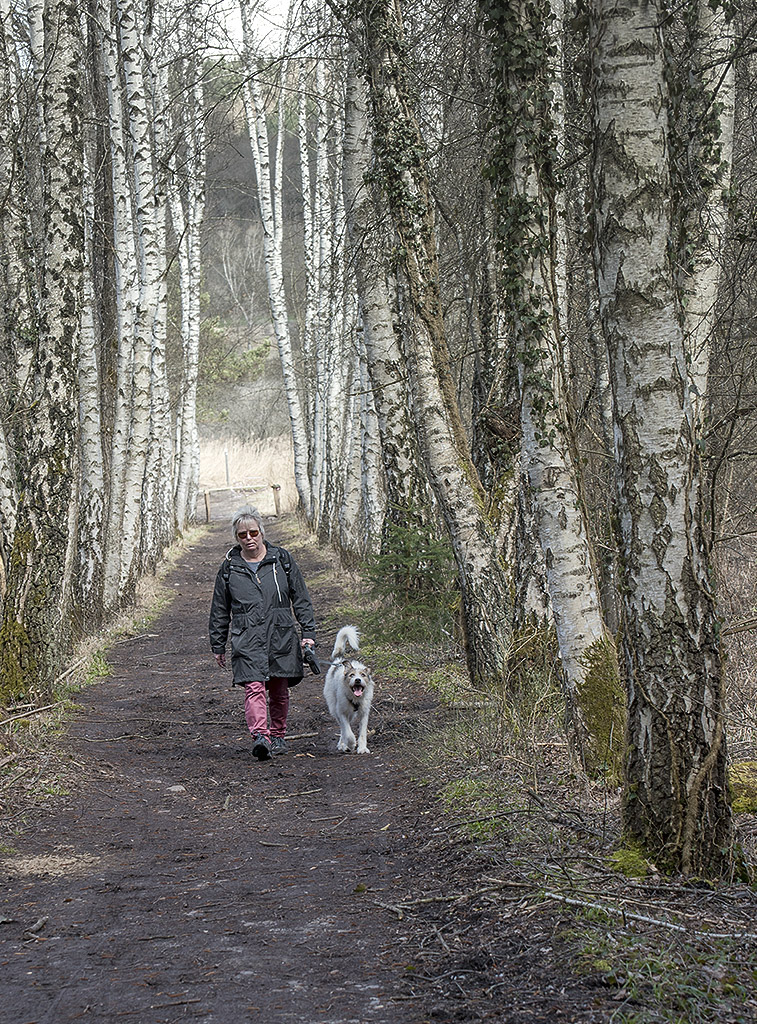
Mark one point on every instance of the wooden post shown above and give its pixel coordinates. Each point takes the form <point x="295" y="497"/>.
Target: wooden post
<point x="228" y="476"/>
<point x="276" y="499"/>
<point x="207" y="506"/>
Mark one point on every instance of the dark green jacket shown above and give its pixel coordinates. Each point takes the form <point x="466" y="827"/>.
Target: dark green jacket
<point x="256" y="609"/>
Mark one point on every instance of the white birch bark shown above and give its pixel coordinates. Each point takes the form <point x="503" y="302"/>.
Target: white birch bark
<point x="36" y="626"/>
<point x="318" y="258"/>
<point x="186" y="198"/>
<point x="89" y="577"/>
<point x="714" y="57"/>
<point x="20" y="230"/>
<point x="35" y="10"/>
<point x="408" y="499"/>
<point x="13" y="301"/>
<point x="126" y="296"/>
<point x="538" y="312"/>
<point x="137" y="513"/>
<point x="308" y="326"/>
<point x="372" y="472"/>
<point x="187" y="439"/>
<point x="159" y="475"/>
<point x="350" y="529"/>
<point x="8" y="503"/>
<point x="676" y="799"/>
<point x="336" y="353"/>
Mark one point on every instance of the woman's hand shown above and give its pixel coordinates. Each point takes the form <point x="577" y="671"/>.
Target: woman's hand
<point x="308" y="655"/>
<point x="220" y="659"/>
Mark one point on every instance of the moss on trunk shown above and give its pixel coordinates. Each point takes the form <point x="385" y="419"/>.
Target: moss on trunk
<point x="602" y="702"/>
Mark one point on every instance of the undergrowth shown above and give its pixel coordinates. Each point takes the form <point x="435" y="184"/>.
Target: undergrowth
<point x="668" y="979"/>
<point x="497" y="768"/>
<point x="31" y="768"/>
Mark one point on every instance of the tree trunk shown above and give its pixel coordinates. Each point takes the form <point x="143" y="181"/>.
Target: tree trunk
<point x="35" y="629"/>
<point x="408" y="498"/>
<point x="530" y="140"/>
<point x="89" y="577"/>
<point x="137" y="512"/>
<point x="706" y="155"/>
<point x="401" y="154"/>
<point x="186" y="201"/>
<point x="126" y="297"/>
<point x="676" y="803"/>
<point x="272" y="240"/>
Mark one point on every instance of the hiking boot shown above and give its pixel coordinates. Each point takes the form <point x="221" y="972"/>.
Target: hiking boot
<point x="279" y="745"/>
<point x="261" y="747"/>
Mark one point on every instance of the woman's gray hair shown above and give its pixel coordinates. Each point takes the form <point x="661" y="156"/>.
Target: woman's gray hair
<point x="245" y="514"/>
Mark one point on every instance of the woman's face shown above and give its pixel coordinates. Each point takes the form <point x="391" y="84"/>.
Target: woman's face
<point x="251" y="539"/>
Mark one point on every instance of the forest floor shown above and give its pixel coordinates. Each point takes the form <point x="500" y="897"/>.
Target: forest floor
<point x="171" y="877"/>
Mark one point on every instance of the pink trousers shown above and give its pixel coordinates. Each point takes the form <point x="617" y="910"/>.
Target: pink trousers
<point x="256" y="706"/>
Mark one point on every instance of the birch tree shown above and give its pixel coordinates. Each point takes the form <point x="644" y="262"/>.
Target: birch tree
<point x="702" y="147"/>
<point x="676" y="803"/>
<point x="137" y="514"/>
<point x="408" y="498"/>
<point x="89" y="577"/>
<point x="186" y="142"/>
<point x="15" y="305"/>
<point x="526" y="41"/>
<point x="126" y="297"/>
<point x="158" y="488"/>
<point x="36" y="627"/>
<point x="402" y="164"/>
<point x="333" y="367"/>
<point x="269" y="191"/>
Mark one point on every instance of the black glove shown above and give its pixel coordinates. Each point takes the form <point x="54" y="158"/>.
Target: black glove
<point x="308" y="654"/>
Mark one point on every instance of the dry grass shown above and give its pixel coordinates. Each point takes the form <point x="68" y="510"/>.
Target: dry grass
<point x="533" y="845"/>
<point x="253" y="467"/>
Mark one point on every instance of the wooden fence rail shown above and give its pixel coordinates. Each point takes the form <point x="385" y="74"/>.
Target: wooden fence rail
<point x="240" y="491"/>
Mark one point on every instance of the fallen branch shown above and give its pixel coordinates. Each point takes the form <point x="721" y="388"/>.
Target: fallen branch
<point x="559" y="819"/>
<point x="138" y="636"/>
<point x="625" y="914"/>
<point x="28" y="714"/>
<point x="288" y="796"/>
<point x="13" y="779"/>
<point x="476" y="821"/>
<point x="743" y="626"/>
<point x="72" y="668"/>
<point x="400" y="908"/>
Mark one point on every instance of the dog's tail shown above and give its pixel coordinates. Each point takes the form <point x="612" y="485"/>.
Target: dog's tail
<point x="347" y="635"/>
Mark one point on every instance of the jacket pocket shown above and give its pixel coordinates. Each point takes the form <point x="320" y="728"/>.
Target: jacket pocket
<point x="247" y="641"/>
<point x="284" y="642"/>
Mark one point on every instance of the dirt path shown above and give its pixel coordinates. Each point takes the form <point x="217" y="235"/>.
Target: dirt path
<point x="181" y="880"/>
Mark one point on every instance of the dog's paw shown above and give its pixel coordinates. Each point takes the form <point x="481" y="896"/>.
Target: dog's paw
<point x="363" y="750"/>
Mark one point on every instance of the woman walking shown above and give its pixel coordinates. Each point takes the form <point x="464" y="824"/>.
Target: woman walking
<point x="259" y="592"/>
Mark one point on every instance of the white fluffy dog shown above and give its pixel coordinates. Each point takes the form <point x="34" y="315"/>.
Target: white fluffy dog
<point x="348" y="690"/>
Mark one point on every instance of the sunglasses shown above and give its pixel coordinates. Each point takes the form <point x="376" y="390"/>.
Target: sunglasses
<point x="248" y="533"/>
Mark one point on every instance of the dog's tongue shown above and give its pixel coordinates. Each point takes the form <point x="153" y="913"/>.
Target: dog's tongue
<point x="357" y="690"/>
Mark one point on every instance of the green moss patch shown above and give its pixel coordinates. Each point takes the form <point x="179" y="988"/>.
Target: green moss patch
<point x="629" y="861"/>
<point x="743" y="779"/>
<point x="602" y="700"/>
<point x="479" y="802"/>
